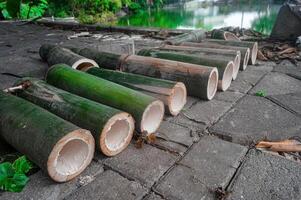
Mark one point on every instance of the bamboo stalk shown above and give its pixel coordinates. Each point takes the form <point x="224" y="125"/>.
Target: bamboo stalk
<point x="200" y="81"/>
<point x="60" y="148"/>
<point x="224" y="66"/>
<point x="54" y="54"/>
<point x="193" y="36"/>
<point x="223" y="35"/>
<point x="147" y="111"/>
<point x="172" y="94"/>
<point x="253" y="46"/>
<point x="112" y="129"/>
<point x="245" y="52"/>
<point x="208" y="52"/>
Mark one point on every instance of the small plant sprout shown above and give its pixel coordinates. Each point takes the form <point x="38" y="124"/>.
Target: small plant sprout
<point x="261" y="93"/>
<point x="13" y="175"/>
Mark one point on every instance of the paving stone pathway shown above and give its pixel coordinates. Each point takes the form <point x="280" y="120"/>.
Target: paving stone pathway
<point x="206" y="152"/>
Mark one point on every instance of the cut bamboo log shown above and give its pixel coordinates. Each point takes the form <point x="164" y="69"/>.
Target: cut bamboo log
<point x="224" y="66"/>
<point x="245" y="52"/>
<point x="193" y="36"/>
<point x="253" y="46"/>
<point x="54" y="54"/>
<point x="147" y="111"/>
<point x="112" y="129"/>
<point x="172" y="94"/>
<point x="60" y="148"/>
<point x="200" y="81"/>
<point x="223" y="35"/>
<point x="210" y="53"/>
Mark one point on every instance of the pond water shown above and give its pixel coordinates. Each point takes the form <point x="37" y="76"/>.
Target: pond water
<point x="259" y="15"/>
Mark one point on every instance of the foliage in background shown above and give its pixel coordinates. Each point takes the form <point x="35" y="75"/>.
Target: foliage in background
<point x="88" y="11"/>
<point x="23" y="9"/>
<point x="13" y="175"/>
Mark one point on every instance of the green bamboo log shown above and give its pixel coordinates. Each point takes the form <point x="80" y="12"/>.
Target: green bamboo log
<point x="54" y="54"/>
<point x="200" y="81"/>
<point x="245" y="52"/>
<point x="105" y="59"/>
<point x="147" y="111"/>
<point x="172" y="94"/>
<point x="209" y="53"/>
<point x="193" y="36"/>
<point x="112" y="129"/>
<point x="253" y="46"/>
<point x="60" y="148"/>
<point x="224" y="66"/>
<point x="223" y="35"/>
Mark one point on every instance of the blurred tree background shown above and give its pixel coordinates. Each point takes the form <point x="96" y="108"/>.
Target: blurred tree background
<point x="87" y="11"/>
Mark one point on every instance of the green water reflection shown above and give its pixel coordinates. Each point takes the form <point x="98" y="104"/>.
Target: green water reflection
<point x="259" y="15"/>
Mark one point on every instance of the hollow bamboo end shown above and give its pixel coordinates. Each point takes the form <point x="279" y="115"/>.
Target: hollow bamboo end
<point x="177" y="99"/>
<point x="230" y="36"/>
<point x="152" y="117"/>
<point x="84" y="63"/>
<point x="225" y="83"/>
<point x="246" y="59"/>
<point x="71" y="155"/>
<point x="254" y="53"/>
<point x="212" y="84"/>
<point x="236" y="65"/>
<point x="117" y="134"/>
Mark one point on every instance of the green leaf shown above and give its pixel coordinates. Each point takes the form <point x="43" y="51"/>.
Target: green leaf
<point x="6" y="170"/>
<point x="22" y="165"/>
<point x="261" y="93"/>
<point x="13" y="7"/>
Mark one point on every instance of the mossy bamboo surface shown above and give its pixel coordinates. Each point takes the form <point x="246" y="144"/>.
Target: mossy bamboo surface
<point x="102" y="91"/>
<point x="54" y="54"/>
<point x="78" y="110"/>
<point x="195" y="77"/>
<point x="37" y="133"/>
<point x="158" y="88"/>
<point x="193" y="36"/>
<point x="253" y="46"/>
<point x="245" y="52"/>
<point x="222" y="65"/>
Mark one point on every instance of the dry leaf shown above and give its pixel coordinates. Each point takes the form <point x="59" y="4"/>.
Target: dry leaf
<point x="287" y="51"/>
<point x="260" y="56"/>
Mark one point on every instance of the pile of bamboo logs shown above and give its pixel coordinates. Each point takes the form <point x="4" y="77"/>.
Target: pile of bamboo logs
<point x="97" y="99"/>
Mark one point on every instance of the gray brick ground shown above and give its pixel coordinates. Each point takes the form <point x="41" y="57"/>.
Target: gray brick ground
<point x="291" y="101"/>
<point x="153" y="196"/>
<point x="256" y="118"/>
<point x="289" y="68"/>
<point x="207" y="112"/>
<point x="145" y="165"/>
<point x="210" y="163"/>
<point x="176" y="133"/>
<point x="110" y="186"/>
<point x="7" y="81"/>
<point x="171" y="147"/>
<point x="40" y="187"/>
<point x="248" y="78"/>
<point x="184" y="121"/>
<point x="228" y="96"/>
<point x="267" y="177"/>
<point x="277" y="83"/>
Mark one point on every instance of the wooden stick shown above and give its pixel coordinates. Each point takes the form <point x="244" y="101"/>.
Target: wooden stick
<point x="147" y="111"/>
<point x="171" y="93"/>
<point x="60" y="148"/>
<point x="112" y="129"/>
<point x="245" y="52"/>
<point x="224" y="66"/>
